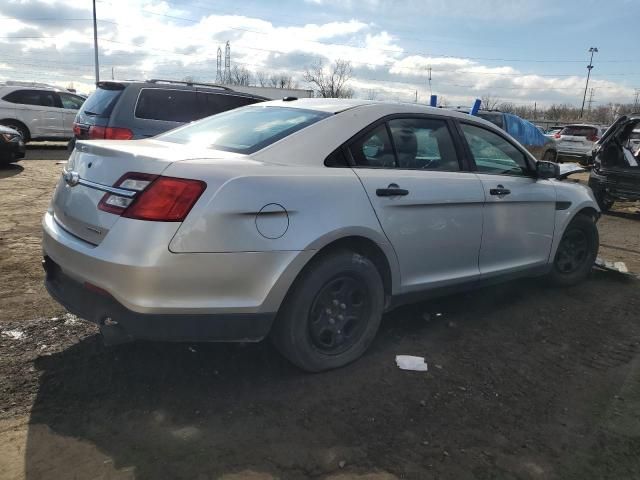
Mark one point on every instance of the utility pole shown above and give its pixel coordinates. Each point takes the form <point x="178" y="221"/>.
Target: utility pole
<point x="95" y="43"/>
<point x="592" y="50"/>
<point x="112" y="74"/>
<point x="637" y="99"/>
<point x="430" y="91"/>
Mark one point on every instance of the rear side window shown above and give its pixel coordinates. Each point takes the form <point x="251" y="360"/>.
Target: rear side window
<point x="168" y="105"/>
<point x="374" y="149"/>
<point x="30" y="97"/>
<point x="101" y="102"/>
<point x="244" y="130"/>
<point x="579" y="131"/>
<point x="217" y="103"/>
<point x="423" y="144"/>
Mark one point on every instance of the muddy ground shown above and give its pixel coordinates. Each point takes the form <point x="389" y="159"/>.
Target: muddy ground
<point x="524" y="382"/>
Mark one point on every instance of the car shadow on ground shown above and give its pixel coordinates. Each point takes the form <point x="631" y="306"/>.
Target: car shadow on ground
<point x="152" y="410"/>
<point x="628" y="214"/>
<point x="10" y="170"/>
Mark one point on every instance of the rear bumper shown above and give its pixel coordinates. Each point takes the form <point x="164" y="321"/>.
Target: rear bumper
<point x="148" y="289"/>
<point x="613" y="187"/>
<point x="119" y="324"/>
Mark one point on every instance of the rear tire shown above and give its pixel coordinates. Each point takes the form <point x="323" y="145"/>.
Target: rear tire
<point x="550" y="156"/>
<point x="19" y="127"/>
<point x="576" y="253"/>
<point x="332" y="313"/>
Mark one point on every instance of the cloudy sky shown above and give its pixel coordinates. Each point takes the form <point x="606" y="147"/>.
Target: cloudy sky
<point x="516" y="50"/>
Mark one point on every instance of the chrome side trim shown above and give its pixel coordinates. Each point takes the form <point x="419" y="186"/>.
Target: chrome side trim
<point x="105" y="188"/>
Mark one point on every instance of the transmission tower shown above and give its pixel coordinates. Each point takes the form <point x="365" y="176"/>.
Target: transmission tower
<point x="590" y="101"/>
<point x="227" y="63"/>
<point x="219" y="66"/>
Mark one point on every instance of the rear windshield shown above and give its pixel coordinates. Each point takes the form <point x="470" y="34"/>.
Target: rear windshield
<point x="245" y="130"/>
<point x="101" y="102"/>
<point x="579" y="131"/>
<point x="495" y="118"/>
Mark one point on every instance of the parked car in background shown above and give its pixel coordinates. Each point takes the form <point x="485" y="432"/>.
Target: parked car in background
<point x="577" y="141"/>
<point x="38" y="111"/>
<point x="127" y="110"/>
<point x="615" y="176"/>
<point x="551" y="132"/>
<point x="304" y="220"/>
<point x="11" y="145"/>
<point x="540" y="146"/>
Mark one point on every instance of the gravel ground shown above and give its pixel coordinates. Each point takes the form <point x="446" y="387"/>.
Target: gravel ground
<point x="524" y="382"/>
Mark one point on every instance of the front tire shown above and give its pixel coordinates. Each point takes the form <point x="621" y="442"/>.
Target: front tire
<point x="576" y="253"/>
<point x="332" y="314"/>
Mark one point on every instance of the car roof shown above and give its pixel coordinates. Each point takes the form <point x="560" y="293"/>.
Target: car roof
<point x="337" y="105"/>
<point x="178" y="85"/>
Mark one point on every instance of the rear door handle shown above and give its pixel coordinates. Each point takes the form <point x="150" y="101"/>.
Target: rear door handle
<point x="499" y="191"/>
<point x="393" y="190"/>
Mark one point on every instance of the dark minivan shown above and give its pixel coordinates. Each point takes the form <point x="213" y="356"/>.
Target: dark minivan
<point x="129" y="110"/>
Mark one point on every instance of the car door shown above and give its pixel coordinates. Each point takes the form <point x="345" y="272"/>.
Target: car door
<point x="429" y="208"/>
<point x="51" y="114"/>
<point x="519" y="212"/>
<point x="70" y="105"/>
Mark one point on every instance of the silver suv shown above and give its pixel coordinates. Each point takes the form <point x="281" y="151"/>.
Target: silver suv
<point x="304" y="220"/>
<point x="38" y="111"/>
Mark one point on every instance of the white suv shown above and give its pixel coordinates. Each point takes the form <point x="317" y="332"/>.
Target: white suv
<point x="38" y="111"/>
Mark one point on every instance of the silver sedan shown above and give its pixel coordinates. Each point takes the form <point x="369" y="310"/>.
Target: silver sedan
<point x="304" y="220"/>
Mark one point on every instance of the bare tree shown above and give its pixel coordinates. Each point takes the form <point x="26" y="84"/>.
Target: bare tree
<point x="489" y="102"/>
<point x="262" y="78"/>
<point x="240" y="76"/>
<point x="331" y="83"/>
<point x="282" y="80"/>
<point x="371" y="94"/>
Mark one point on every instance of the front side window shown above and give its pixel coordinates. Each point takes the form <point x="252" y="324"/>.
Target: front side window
<point x="493" y="154"/>
<point x="50" y="99"/>
<point x="244" y="130"/>
<point x="71" y="102"/>
<point x="423" y="144"/>
<point x="168" y="105"/>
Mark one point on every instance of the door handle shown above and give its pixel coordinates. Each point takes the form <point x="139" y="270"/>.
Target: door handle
<point x="393" y="190"/>
<point x="499" y="191"/>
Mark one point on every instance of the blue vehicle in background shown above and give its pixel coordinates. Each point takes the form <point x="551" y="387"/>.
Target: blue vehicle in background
<point x="541" y="146"/>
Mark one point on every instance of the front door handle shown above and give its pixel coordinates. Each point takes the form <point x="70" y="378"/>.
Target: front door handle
<point x="393" y="190"/>
<point x="500" y="191"/>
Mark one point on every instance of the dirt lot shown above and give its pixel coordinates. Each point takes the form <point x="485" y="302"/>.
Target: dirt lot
<point x="524" y="382"/>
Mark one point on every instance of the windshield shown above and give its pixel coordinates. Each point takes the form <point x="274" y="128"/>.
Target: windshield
<point x="244" y="130"/>
<point x="101" y="102"/>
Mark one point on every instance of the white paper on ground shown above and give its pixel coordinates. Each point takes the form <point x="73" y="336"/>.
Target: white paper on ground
<point x="409" y="362"/>
<point x="616" y="266"/>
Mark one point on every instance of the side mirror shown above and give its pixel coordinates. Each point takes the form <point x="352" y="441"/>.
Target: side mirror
<point x="546" y="170"/>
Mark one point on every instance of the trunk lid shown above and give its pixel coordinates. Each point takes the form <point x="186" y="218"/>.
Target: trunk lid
<point x="96" y="165"/>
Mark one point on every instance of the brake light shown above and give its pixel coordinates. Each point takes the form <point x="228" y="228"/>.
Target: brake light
<point x="593" y="137"/>
<point x="159" y="199"/>
<point x="557" y="135"/>
<point x="109" y="133"/>
<point x="76" y="129"/>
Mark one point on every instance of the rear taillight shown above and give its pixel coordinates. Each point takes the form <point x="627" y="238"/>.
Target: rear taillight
<point x="109" y="133"/>
<point x="76" y="129"/>
<point x="593" y="138"/>
<point x="557" y="135"/>
<point x="159" y="199"/>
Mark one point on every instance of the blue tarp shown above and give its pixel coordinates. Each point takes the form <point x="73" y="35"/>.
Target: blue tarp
<point x="525" y="132"/>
